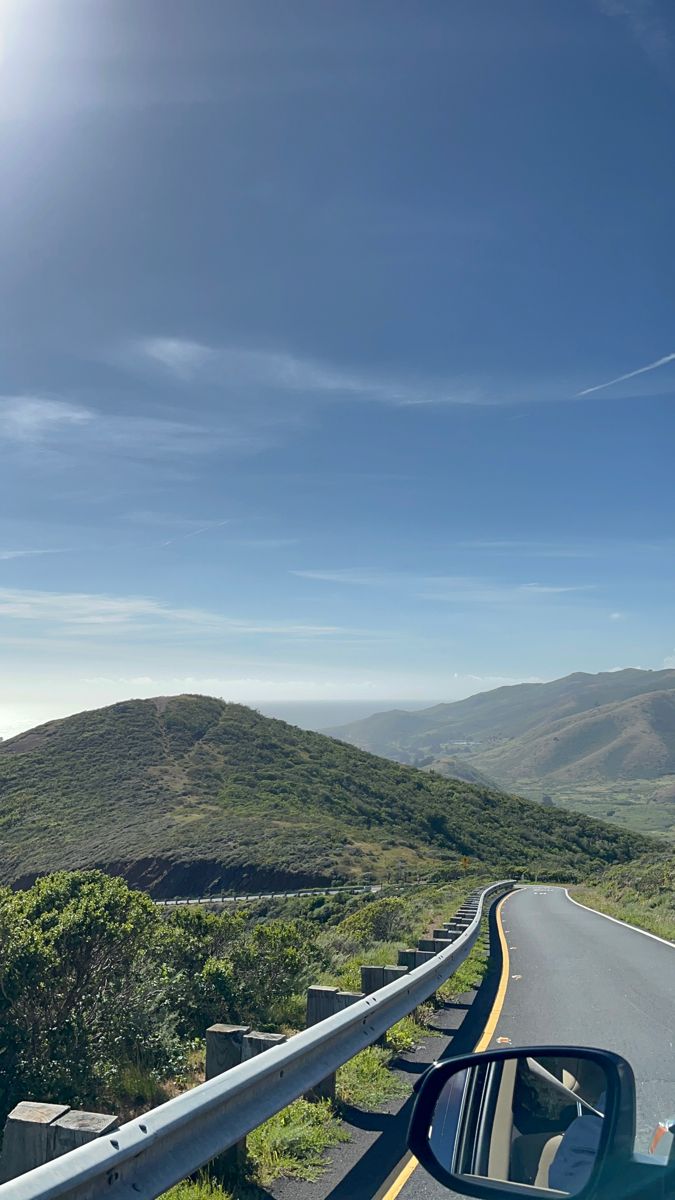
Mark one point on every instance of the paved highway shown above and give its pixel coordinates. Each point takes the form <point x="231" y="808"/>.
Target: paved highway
<point x="575" y="976"/>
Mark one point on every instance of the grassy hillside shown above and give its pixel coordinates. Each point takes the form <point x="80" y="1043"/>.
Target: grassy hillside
<point x="189" y="793"/>
<point x="453" y="767"/>
<point x="601" y="744"/>
<point x="634" y="739"/>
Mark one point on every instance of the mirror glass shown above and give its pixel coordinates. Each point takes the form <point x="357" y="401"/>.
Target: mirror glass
<point x="523" y="1120"/>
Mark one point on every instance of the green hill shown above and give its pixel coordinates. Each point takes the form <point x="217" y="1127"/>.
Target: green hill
<point x="490" y="718"/>
<point x="187" y="794"/>
<point x="633" y="739"/>
<point x="604" y="744"/>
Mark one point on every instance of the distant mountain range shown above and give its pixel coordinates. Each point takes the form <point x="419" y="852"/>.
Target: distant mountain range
<point x="188" y="794"/>
<point x="603" y="743"/>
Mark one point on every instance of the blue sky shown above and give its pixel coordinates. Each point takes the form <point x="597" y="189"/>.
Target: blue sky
<point x="323" y="348"/>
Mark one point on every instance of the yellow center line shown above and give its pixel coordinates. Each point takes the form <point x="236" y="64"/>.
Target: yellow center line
<point x="409" y="1162"/>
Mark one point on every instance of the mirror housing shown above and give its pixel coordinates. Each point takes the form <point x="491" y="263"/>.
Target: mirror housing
<point x="464" y="1128"/>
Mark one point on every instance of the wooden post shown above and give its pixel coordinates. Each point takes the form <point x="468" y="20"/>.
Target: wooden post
<point x="255" y="1043"/>
<point x="223" y="1051"/>
<point x="372" y="978"/>
<point x="406" y="958"/>
<point x="38" y="1133"/>
<point x="344" y="999"/>
<point x="392" y="973"/>
<point x="322" y="1002"/>
<point x="223" y="1048"/>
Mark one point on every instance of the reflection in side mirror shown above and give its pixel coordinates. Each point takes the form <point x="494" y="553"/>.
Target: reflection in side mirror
<point x="511" y="1121"/>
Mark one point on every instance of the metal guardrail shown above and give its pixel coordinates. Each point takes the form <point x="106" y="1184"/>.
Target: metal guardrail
<point x="148" y="1155"/>
<point x="351" y="889"/>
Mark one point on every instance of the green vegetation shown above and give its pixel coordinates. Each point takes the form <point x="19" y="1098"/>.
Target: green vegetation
<point x="642" y="805"/>
<point x="189" y="794"/>
<point x="104" y="1000"/>
<point x="366" y="1082"/>
<point x="642" y="894"/>
<point x="293" y="1143"/>
<point x="200" y="1189"/>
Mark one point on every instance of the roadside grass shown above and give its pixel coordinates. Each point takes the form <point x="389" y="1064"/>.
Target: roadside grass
<point x="404" y="1035"/>
<point x="199" y="1189"/>
<point x="366" y="1081"/>
<point x="655" y="917"/>
<point x="293" y="1143"/>
<point x="640" y="892"/>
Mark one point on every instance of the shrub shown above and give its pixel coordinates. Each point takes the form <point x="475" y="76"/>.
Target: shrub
<point x="382" y="921"/>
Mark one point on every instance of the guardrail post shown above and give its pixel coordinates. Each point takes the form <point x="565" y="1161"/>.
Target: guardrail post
<point x="37" y="1133"/>
<point x="392" y="973"/>
<point x="322" y="1002"/>
<point x="344" y="999"/>
<point x="257" y="1043"/>
<point x="223" y="1048"/>
<point x="429" y="944"/>
<point x="406" y="958"/>
<point x="372" y="978"/>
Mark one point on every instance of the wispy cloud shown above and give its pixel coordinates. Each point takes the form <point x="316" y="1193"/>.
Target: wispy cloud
<point x="6" y="555"/>
<point x="644" y="23"/>
<point x="447" y="588"/>
<point x="86" y="613"/>
<point x="262" y="368"/>
<point x="56" y="425"/>
<point x="653" y="366"/>
<point x="178" y="355"/>
<point x="30" y="419"/>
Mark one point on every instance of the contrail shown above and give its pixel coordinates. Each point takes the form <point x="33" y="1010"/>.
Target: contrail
<point x="194" y="532"/>
<point x="660" y="362"/>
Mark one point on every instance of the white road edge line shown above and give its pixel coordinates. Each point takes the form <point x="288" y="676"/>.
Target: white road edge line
<point x="635" y="928"/>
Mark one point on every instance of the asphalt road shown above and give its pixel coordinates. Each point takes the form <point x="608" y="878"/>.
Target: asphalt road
<point x="577" y="977"/>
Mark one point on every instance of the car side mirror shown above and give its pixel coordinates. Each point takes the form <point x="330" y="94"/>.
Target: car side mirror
<point x="537" y="1121"/>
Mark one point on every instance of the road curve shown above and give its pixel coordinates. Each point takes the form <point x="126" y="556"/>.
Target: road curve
<point x="576" y="977"/>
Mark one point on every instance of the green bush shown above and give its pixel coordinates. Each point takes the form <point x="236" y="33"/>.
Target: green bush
<point x="101" y="998"/>
<point x="382" y="921"/>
